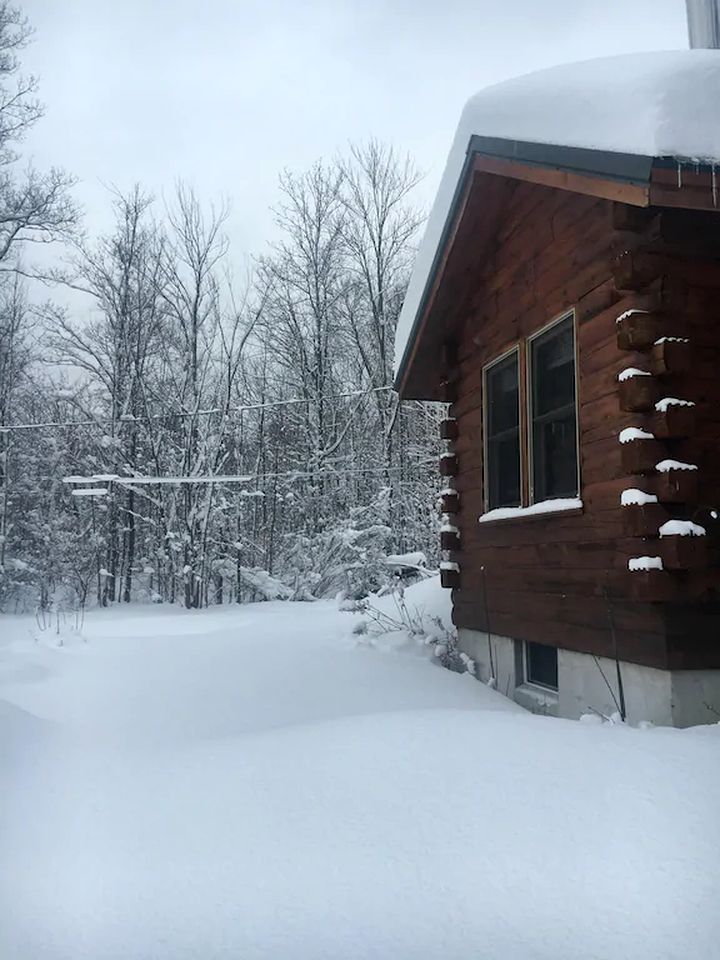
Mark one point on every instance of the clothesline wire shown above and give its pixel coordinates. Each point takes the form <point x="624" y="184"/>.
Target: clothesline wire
<point x="221" y="479"/>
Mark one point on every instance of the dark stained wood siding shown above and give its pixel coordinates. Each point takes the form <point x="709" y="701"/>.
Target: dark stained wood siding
<point x="548" y="578"/>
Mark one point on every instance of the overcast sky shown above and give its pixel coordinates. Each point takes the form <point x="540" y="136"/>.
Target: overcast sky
<point x="225" y="93"/>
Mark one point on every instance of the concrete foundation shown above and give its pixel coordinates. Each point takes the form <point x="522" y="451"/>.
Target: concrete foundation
<point x="679" y="698"/>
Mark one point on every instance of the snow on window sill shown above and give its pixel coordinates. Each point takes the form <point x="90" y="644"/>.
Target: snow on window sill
<point x="561" y="505"/>
<point x="532" y="696"/>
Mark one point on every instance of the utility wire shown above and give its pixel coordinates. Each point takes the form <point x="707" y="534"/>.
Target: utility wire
<point x="94" y="422"/>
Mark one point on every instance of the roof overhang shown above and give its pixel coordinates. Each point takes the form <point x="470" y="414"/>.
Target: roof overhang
<point x="632" y="179"/>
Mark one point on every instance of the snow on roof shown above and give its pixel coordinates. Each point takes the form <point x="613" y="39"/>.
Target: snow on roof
<point x="664" y="104"/>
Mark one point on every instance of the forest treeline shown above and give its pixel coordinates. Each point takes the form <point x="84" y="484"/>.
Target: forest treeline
<point x="229" y="435"/>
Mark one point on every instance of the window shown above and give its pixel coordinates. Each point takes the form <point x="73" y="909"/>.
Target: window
<point x="541" y="665"/>
<point x="502" y="433"/>
<point x="553" y="418"/>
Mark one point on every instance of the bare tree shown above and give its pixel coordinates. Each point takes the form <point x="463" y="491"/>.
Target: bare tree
<point x="193" y="256"/>
<point x="122" y="273"/>
<point x="15" y="357"/>
<point x="378" y="230"/>
<point x="34" y="207"/>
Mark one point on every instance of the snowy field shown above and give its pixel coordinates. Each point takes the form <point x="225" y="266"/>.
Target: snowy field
<point x="257" y="782"/>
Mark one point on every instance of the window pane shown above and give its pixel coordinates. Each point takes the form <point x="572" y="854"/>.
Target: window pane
<point x="502" y="388"/>
<point x="503" y="434"/>
<point x="542" y="665"/>
<point x="555" y="457"/>
<point x="504" y="471"/>
<point x="554" y="369"/>
<point x="554" y="418"/>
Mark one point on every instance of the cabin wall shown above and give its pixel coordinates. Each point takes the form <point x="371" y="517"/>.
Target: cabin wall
<point x="564" y="579"/>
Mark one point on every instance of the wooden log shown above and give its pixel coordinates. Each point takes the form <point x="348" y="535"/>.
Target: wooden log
<point x="677" y="486"/>
<point x="449" y="465"/>
<point x="628" y="217"/>
<point x="638" y="393"/>
<point x="449" y="429"/>
<point x="641" y="455"/>
<point x="450" y="503"/>
<point x="635" y="269"/>
<point x="449" y="390"/>
<point x="450" y="579"/>
<point x="449" y="540"/>
<point x="643" y="519"/>
<point x="675" y="422"/>
<point x="648" y="586"/>
<point x="638" y="331"/>
<point x="670" y="356"/>
<point x="449" y="354"/>
<point x="683" y="553"/>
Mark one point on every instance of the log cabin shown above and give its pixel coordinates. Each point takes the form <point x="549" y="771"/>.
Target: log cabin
<point x="565" y="304"/>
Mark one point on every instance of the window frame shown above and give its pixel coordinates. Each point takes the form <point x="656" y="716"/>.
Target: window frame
<point x="515" y="349"/>
<point x="526" y="666"/>
<point x="556" y="321"/>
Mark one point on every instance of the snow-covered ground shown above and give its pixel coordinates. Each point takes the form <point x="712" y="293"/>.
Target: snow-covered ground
<point x="258" y="782"/>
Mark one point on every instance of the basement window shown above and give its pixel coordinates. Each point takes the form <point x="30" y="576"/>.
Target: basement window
<point x="553" y="412"/>
<point x="541" y="665"/>
<point x="502" y="432"/>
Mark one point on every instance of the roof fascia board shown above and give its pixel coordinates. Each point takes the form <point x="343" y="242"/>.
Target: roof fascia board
<point x="623" y="167"/>
<point x="590" y="164"/>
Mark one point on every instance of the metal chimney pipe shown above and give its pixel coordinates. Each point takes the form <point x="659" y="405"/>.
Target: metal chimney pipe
<point x="703" y="17"/>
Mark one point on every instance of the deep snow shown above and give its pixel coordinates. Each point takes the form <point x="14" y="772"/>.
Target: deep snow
<point x="257" y="782"/>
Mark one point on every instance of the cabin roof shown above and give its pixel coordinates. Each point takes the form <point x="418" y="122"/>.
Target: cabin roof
<point x="613" y="119"/>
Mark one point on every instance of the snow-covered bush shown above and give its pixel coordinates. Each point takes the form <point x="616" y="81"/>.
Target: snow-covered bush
<point x="400" y="614"/>
<point x="346" y="556"/>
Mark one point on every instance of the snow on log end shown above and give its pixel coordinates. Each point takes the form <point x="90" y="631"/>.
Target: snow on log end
<point x="629" y="372"/>
<point x="665" y="466"/>
<point x="681" y="528"/>
<point x="671" y="340"/>
<point x="645" y="563"/>
<point x="634" y="433"/>
<point x="450" y="565"/>
<point x="634" y="497"/>
<point x="546" y="506"/>
<point x="662" y="405"/>
<point x="629" y="313"/>
<point x="449" y="528"/>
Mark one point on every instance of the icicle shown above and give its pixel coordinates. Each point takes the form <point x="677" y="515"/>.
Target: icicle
<point x="714" y="184"/>
<point x="679" y="173"/>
